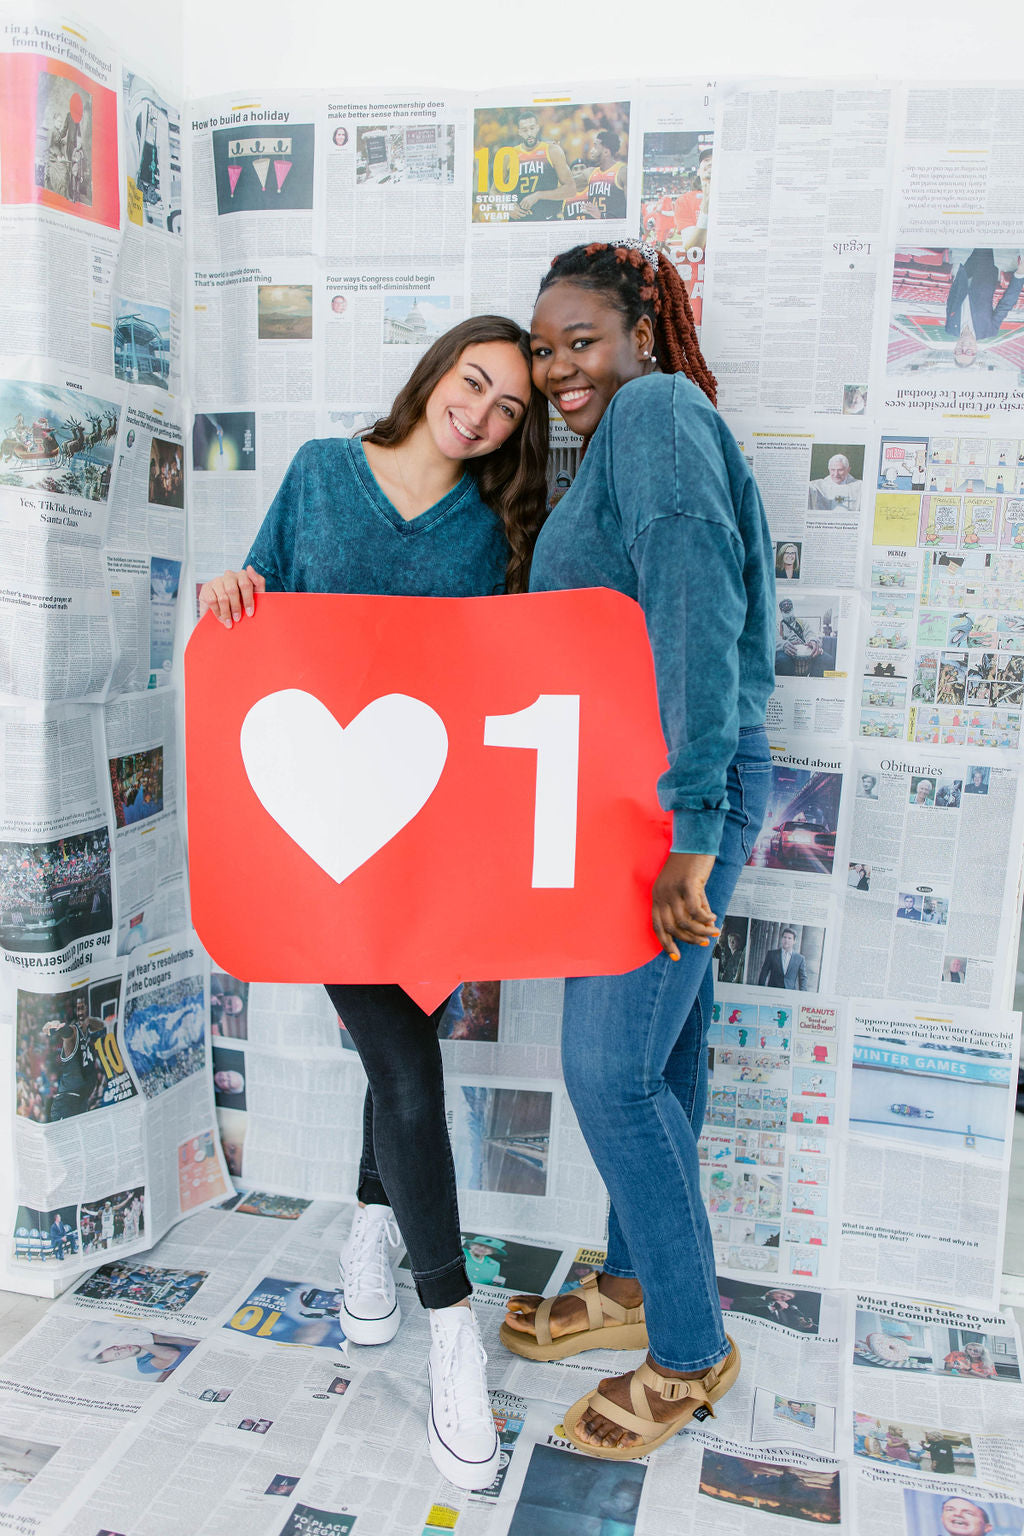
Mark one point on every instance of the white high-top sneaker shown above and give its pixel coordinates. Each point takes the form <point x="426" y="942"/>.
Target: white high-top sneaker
<point x="369" y="1311"/>
<point x="460" y="1427"/>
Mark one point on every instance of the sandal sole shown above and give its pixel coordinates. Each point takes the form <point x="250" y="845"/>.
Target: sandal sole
<point x="572" y="1416"/>
<point x="623" y="1336"/>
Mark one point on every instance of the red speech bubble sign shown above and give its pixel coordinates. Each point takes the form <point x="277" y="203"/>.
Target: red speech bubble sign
<point x="425" y="790"/>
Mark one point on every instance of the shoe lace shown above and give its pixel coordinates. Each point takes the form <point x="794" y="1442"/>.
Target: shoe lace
<point x="464" y="1379"/>
<point x="369" y="1259"/>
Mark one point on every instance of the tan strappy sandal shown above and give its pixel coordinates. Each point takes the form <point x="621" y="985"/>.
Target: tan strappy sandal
<point x="625" y="1330"/>
<point x="701" y="1393"/>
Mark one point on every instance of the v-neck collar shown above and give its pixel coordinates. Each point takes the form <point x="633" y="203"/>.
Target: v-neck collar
<point x="423" y="520"/>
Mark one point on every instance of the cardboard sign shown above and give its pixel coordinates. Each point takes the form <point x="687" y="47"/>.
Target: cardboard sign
<point x="425" y="790"/>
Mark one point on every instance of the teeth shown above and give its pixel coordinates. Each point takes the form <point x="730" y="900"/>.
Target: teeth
<point x="470" y="437"/>
<point x="573" y="394"/>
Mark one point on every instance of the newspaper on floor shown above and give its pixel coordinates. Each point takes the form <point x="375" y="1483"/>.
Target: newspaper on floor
<point x="221" y="1351"/>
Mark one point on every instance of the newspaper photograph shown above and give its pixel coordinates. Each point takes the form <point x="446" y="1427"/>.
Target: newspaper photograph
<point x="814" y="656"/>
<point x="148" y="859"/>
<point x="536" y="164"/>
<point x="253" y="179"/>
<point x="63" y="154"/>
<point x="813" y="490"/>
<point x="57" y="453"/>
<point x="395" y="176"/>
<point x="376" y="326"/>
<point x="153" y="153"/>
<point x="677" y="157"/>
<point x="956" y="332"/>
<point x="931" y="1107"/>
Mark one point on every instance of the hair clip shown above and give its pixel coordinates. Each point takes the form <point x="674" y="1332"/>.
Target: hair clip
<point x="646" y="250"/>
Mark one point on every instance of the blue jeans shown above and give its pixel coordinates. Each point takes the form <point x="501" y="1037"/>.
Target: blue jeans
<point x="634" y="1056"/>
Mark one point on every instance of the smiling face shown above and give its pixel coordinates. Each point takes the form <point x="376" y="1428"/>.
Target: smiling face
<point x="839" y="468"/>
<point x="962" y="1517"/>
<point x="583" y="352"/>
<point x="788" y="556"/>
<point x="479" y="402"/>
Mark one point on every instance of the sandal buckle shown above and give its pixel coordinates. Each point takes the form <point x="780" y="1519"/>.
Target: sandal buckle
<point x="673" y="1389"/>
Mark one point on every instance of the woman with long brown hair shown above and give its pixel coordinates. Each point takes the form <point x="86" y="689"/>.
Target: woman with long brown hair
<point x="664" y="509"/>
<point x="443" y="497"/>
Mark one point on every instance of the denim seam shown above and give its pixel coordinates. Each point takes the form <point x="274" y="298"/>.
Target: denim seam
<point x="712" y="1288"/>
<point x="712" y="1285"/>
<point x="621" y="1274"/>
<point x="691" y="1087"/>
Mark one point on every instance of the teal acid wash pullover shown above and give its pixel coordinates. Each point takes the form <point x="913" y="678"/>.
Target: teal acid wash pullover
<point x="330" y="528"/>
<point x="665" y="509"/>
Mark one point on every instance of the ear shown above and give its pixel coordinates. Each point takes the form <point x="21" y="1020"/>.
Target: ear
<point x="643" y="333"/>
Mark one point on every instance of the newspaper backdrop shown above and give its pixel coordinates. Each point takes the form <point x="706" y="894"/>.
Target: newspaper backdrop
<point x="194" y="290"/>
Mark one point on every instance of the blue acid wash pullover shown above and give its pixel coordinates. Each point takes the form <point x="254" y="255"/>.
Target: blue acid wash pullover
<point x="665" y="509"/>
<point x="330" y="528"/>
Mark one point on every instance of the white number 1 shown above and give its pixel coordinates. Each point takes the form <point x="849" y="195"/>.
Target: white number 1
<point x="550" y="726"/>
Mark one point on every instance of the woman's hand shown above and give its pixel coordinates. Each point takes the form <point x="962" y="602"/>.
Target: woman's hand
<point x="679" y="907"/>
<point x="227" y="595"/>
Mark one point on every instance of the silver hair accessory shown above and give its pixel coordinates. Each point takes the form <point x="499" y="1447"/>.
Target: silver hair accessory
<point x="646" y="250"/>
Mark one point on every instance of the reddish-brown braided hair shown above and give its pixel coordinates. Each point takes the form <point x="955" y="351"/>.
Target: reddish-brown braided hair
<point x="624" y="274"/>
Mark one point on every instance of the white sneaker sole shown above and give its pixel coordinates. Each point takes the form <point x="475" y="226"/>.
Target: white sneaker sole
<point x="471" y="1475"/>
<point x="370" y="1330"/>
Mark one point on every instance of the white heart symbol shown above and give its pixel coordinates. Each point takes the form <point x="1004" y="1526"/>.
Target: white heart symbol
<point x="341" y="793"/>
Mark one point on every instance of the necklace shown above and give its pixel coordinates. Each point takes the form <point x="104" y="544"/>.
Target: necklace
<point x="405" y="488"/>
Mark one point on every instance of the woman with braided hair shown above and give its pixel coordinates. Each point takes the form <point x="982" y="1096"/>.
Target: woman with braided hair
<point x="664" y="508"/>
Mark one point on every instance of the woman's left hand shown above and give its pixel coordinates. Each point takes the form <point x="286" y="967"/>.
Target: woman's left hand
<point x="679" y="907"/>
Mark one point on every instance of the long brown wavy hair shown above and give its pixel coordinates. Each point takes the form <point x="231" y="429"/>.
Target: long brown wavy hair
<point x="513" y="479"/>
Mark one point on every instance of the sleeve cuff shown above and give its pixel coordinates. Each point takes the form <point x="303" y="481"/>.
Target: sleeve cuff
<point x="697" y="831"/>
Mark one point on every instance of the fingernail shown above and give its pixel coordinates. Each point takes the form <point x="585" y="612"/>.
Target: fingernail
<point x="249" y="612"/>
<point x="673" y="957"/>
<point x="704" y="943"/>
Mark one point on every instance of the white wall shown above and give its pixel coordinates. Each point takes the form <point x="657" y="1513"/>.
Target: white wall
<point x="150" y="38"/>
<point x="351" y="43"/>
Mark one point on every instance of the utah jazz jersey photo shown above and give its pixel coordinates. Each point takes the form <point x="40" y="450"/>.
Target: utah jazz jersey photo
<point x="604" y="195"/>
<point x="537" y="174"/>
